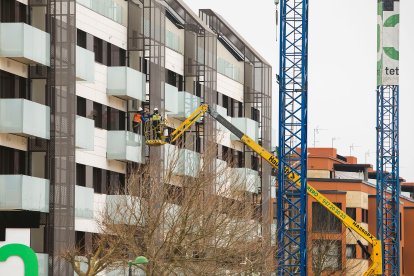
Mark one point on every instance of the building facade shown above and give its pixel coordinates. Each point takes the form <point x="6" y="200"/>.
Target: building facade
<point x="72" y="74"/>
<point x="333" y="249"/>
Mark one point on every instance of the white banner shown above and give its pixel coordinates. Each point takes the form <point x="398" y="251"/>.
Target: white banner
<point x="388" y="55"/>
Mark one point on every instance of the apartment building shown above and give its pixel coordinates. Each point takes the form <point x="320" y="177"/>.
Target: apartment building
<point x="351" y="186"/>
<point x="71" y="75"/>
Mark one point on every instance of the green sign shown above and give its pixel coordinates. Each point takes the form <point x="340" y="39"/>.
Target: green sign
<point x="388" y="54"/>
<point x="28" y="256"/>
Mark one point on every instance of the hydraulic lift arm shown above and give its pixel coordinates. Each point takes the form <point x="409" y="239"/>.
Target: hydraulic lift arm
<point x="376" y="256"/>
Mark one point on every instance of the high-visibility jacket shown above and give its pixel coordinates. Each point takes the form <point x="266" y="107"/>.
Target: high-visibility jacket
<point x="137" y="118"/>
<point x="156" y="117"/>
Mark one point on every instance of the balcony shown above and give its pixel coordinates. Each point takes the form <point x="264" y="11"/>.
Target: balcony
<point x="188" y="163"/>
<point x="24" y="117"/>
<point x="107" y="8"/>
<point x="21" y="192"/>
<point x="126" y="83"/>
<point x="182" y="162"/>
<point x="247" y="126"/>
<point x="85" y="133"/>
<point x="43" y="260"/>
<point x="171" y="102"/>
<point x="84" y="200"/>
<point x="125" y="146"/>
<point x="249" y="179"/>
<point x="128" y="206"/>
<point x="180" y="104"/>
<point x="24" y="43"/>
<point x="85" y="65"/>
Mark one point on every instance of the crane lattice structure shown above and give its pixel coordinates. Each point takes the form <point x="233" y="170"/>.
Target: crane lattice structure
<point x="388" y="179"/>
<point x="388" y="184"/>
<point x="293" y="100"/>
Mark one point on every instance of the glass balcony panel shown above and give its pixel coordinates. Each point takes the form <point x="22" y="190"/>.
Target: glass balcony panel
<point x="126" y="83"/>
<point x="125" y="146"/>
<point x="28" y="44"/>
<point x="188" y="163"/>
<point x="249" y="179"/>
<point x="85" y="133"/>
<point x="21" y="192"/>
<point x="84" y="202"/>
<point x="20" y="116"/>
<point x="247" y="126"/>
<point x="43" y="260"/>
<point x="128" y="206"/>
<point x="107" y="8"/>
<point x="186" y="104"/>
<point x="85" y="65"/>
<point x="174" y="42"/>
<point x="171" y="99"/>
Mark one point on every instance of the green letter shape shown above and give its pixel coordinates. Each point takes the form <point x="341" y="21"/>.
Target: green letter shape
<point x="28" y="256"/>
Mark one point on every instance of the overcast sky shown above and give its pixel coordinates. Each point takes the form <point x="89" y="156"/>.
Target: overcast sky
<point x="342" y="70"/>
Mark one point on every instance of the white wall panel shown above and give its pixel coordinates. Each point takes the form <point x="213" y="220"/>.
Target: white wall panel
<point x="174" y="61"/>
<point x="101" y="27"/>
<point x="97" y="91"/>
<point x="97" y="157"/>
<point x="229" y="87"/>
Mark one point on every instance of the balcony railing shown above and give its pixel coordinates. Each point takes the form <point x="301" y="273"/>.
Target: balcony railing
<point x="24" y="117"/>
<point x="127" y="83"/>
<point x="21" y="192"/>
<point x="84" y="200"/>
<point x="85" y="133"/>
<point x="249" y="179"/>
<point x="125" y="146"/>
<point x="247" y="126"/>
<point x="85" y="65"/>
<point x="107" y="8"/>
<point x="182" y="162"/>
<point x="24" y="43"/>
<point x="180" y="104"/>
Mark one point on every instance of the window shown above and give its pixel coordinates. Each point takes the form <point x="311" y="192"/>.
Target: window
<point x="255" y="115"/>
<point x="323" y="220"/>
<point x="255" y="163"/>
<point x="326" y="255"/>
<point x="98" y="115"/>
<point x="351" y="212"/>
<point x="81" y="38"/>
<point x="364" y="215"/>
<point x="364" y="252"/>
<point x="81" y="106"/>
<point x="351" y="251"/>
<point x="80" y="175"/>
<point x="13" y="161"/>
<point x="116" y="119"/>
<point x="13" y="11"/>
<point x="98" y="180"/>
<point x="80" y="241"/>
<point x="98" y="49"/>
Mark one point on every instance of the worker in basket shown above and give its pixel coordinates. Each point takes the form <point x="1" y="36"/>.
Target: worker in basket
<point x="156" y="124"/>
<point x="138" y="120"/>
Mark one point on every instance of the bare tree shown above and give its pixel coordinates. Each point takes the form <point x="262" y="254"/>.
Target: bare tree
<point x="187" y="215"/>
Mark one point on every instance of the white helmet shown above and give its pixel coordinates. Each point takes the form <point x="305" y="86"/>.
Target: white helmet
<point x="140" y="109"/>
<point x="156" y="109"/>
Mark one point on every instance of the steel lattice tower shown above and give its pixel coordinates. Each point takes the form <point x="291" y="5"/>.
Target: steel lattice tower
<point x="293" y="99"/>
<point x="388" y="184"/>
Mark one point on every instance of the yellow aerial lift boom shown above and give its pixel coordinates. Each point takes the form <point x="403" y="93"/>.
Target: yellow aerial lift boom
<point x="376" y="256"/>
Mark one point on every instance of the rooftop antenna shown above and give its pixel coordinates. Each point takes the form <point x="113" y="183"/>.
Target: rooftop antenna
<point x="316" y="131"/>
<point x="367" y="154"/>
<point x="334" y="139"/>
<point x="352" y="148"/>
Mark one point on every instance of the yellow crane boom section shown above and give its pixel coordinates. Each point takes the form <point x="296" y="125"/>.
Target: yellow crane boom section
<point x="376" y="256"/>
